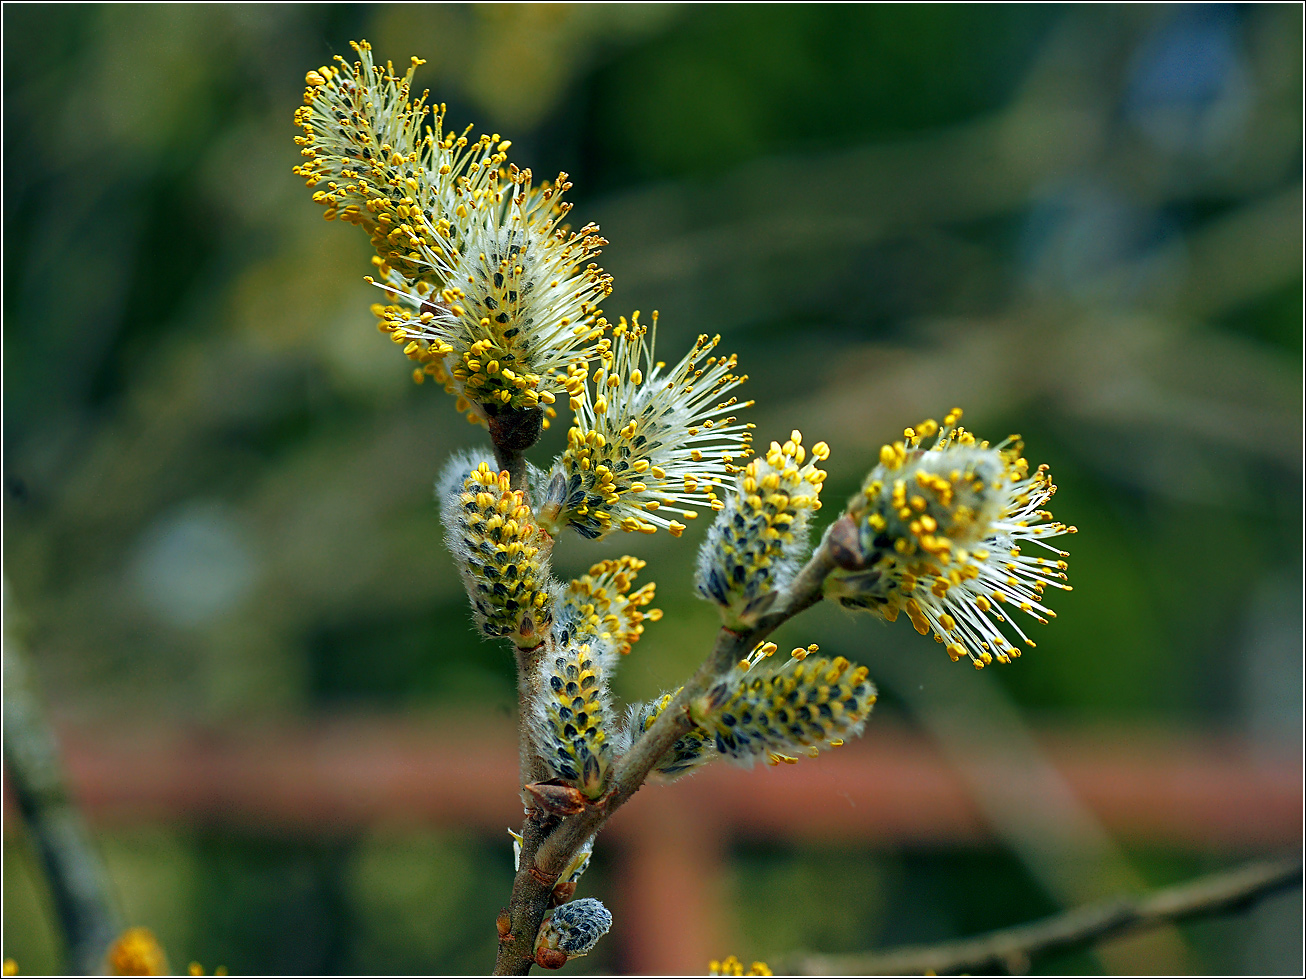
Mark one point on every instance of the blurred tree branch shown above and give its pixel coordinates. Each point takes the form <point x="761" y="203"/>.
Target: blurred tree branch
<point x="1012" y="949"/>
<point x="78" y="883"/>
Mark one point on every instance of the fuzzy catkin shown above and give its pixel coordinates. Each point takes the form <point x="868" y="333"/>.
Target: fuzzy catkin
<point x="575" y="928"/>
<point x="941" y="534"/>
<point x="485" y="288"/>
<point x="690" y="751"/>
<point x="570" y="722"/>
<point x="759" y="539"/>
<point x="648" y="443"/>
<point x="807" y="704"/>
<point x="599" y="608"/>
<point x="502" y="555"/>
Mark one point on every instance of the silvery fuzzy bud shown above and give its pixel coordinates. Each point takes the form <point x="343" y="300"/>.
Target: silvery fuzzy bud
<point x="572" y="930"/>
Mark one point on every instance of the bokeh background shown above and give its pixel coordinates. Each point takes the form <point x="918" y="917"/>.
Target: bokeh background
<point x="1080" y="223"/>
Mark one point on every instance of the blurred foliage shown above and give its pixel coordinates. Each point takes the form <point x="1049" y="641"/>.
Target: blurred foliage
<point x="1083" y="224"/>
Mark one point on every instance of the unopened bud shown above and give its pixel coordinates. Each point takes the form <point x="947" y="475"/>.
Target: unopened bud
<point x="571" y="931"/>
<point x="563" y="892"/>
<point x="557" y="798"/>
<point x="844" y="546"/>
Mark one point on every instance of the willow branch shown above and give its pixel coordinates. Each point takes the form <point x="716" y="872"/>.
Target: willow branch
<point x="1012" y="949"/>
<point x="78" y="883"/>
<point x="632" y="768"/>
<point x="533" y="885"/>
<point x="530" y="764"/>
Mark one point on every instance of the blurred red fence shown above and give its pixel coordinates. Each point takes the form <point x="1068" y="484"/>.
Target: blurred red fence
<point x="1206" y="793"/>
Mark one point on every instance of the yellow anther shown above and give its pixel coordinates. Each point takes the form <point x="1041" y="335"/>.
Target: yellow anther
<point x="918" y="620"/>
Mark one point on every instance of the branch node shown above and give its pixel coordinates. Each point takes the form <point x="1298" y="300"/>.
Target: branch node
<point x="563" y="893"/>
<point x="557" y="798"/>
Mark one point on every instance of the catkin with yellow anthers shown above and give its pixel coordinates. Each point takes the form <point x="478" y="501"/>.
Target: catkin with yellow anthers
<point x="759" y="538"/>
<point x="385" y="163"/>
<point x="731" y="966"/>
<point x="600" y="608"/>
<point x="758" y="711"/>
<point x="648" y="443"/>
<point x="486" y="287"/>
<point x="520" y="307"/>
<point x="691" y="751"/>
<point x="939" y="533"/>
<point x="136" y="952"/>
<point x="521" y="304"/>
<point x="571" y="724"/>
<point x="502" y="555"/>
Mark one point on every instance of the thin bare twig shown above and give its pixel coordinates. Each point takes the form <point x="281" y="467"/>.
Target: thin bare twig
<point x="1012" y="949"/>
<point x="78" y="883"/>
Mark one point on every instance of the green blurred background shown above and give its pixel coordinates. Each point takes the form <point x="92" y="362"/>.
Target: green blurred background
<point x="1082" y="224"/>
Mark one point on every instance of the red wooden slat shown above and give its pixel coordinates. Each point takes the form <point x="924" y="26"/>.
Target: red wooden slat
<point x="890" y="788"/>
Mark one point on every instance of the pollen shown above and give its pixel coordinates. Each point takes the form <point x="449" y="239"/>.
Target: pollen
<point x="731" y="966"/>
<point x="601" y="608"/>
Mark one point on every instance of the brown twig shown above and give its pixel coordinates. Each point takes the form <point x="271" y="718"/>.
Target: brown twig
<point x="1012" y="949"/>
<point x="530" y="764"/>
<point x="551" y="853"/>
<point x="512" y="432"/>
<point x="78" y="883"/>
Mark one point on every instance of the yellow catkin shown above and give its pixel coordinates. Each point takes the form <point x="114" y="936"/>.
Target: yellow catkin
<point x="943" y="533"/>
